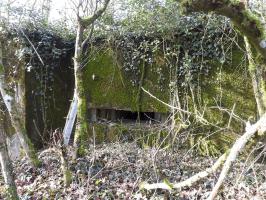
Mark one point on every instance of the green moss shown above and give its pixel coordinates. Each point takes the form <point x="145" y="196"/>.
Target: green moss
<point x="99" y="131"/>
<point x="81" y="132"/>
<point x="11" y="193"/>
<point x="2" y="70"/>
<point x="81" y="151"/>
<point x="32" y="154"/>
<point x="67" y="178"/>
<point x="111" y="88"/>
<point x="82" y="123"/>
<point x="252" y="19"/>
<point x="106" y="133"/>
<point x="143" y="136"/>
<point x="227" y="85"/>
<point x="158" y="85"/>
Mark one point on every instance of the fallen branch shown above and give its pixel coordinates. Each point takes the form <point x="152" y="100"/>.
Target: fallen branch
<point x="190" y="181"/>
<point x="236" y="149"/>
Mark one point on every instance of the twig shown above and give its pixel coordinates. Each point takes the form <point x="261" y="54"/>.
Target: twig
<point x="231" y="116"/>
<point x="166" y="104"/>
<point x="179" y="109"/>
<point x="40" y="58"/>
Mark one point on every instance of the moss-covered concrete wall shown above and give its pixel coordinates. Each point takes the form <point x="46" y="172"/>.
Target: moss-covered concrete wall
<point x="48" y="85"/>
<point x="219" y="83"/>
<point x="225" y="85"/>
<point x="43" y="84"/>
<point x="112" y="88"/>
<point x="230" y="87"/>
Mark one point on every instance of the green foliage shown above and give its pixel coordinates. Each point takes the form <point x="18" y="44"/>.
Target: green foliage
<point x="150" y="16"/>
<point x="11" y="193"/>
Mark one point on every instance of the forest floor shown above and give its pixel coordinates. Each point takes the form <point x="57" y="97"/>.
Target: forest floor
<point x="115" y="171"/>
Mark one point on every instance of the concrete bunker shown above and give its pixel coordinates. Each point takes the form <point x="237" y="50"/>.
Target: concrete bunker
<point x="113" y="78"/>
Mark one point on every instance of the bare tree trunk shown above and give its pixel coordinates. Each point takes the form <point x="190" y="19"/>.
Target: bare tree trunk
<point x="7" y="171"/>
<point x="81" y="126"/>
<point x="67" y="175"/>
<point x="16" y="113"/>
<point x="81" y="133"/>
<point x="6" y="164"/>
<point x="257" y="80"/>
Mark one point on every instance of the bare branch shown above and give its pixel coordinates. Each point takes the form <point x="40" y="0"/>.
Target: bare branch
<point x="235" y="150"/>
<point x="87" y="39"/>
<point x="237" y="147"/>
<point x="198" y="116"/>
<point x="246" y="21"/>
<point x="91" y="31"/>
<point x="189" y="181"/>
<point x="85" y="22"/>
<point x="32" y="45"/>
<point x="166" y="104"/>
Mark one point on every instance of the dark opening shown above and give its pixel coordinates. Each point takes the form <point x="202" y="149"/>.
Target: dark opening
<point x="133" y="116"/>
<point x="123" y="115"/>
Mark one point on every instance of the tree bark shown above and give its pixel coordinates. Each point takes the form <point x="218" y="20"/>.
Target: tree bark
<point x="81" y="133"/>
<point x="67" y="175"/>
<point x="258" y="83"/>
<point x="5" y="161"/>
<point x="246" y="22"/>
<point x="16" y="113"/>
